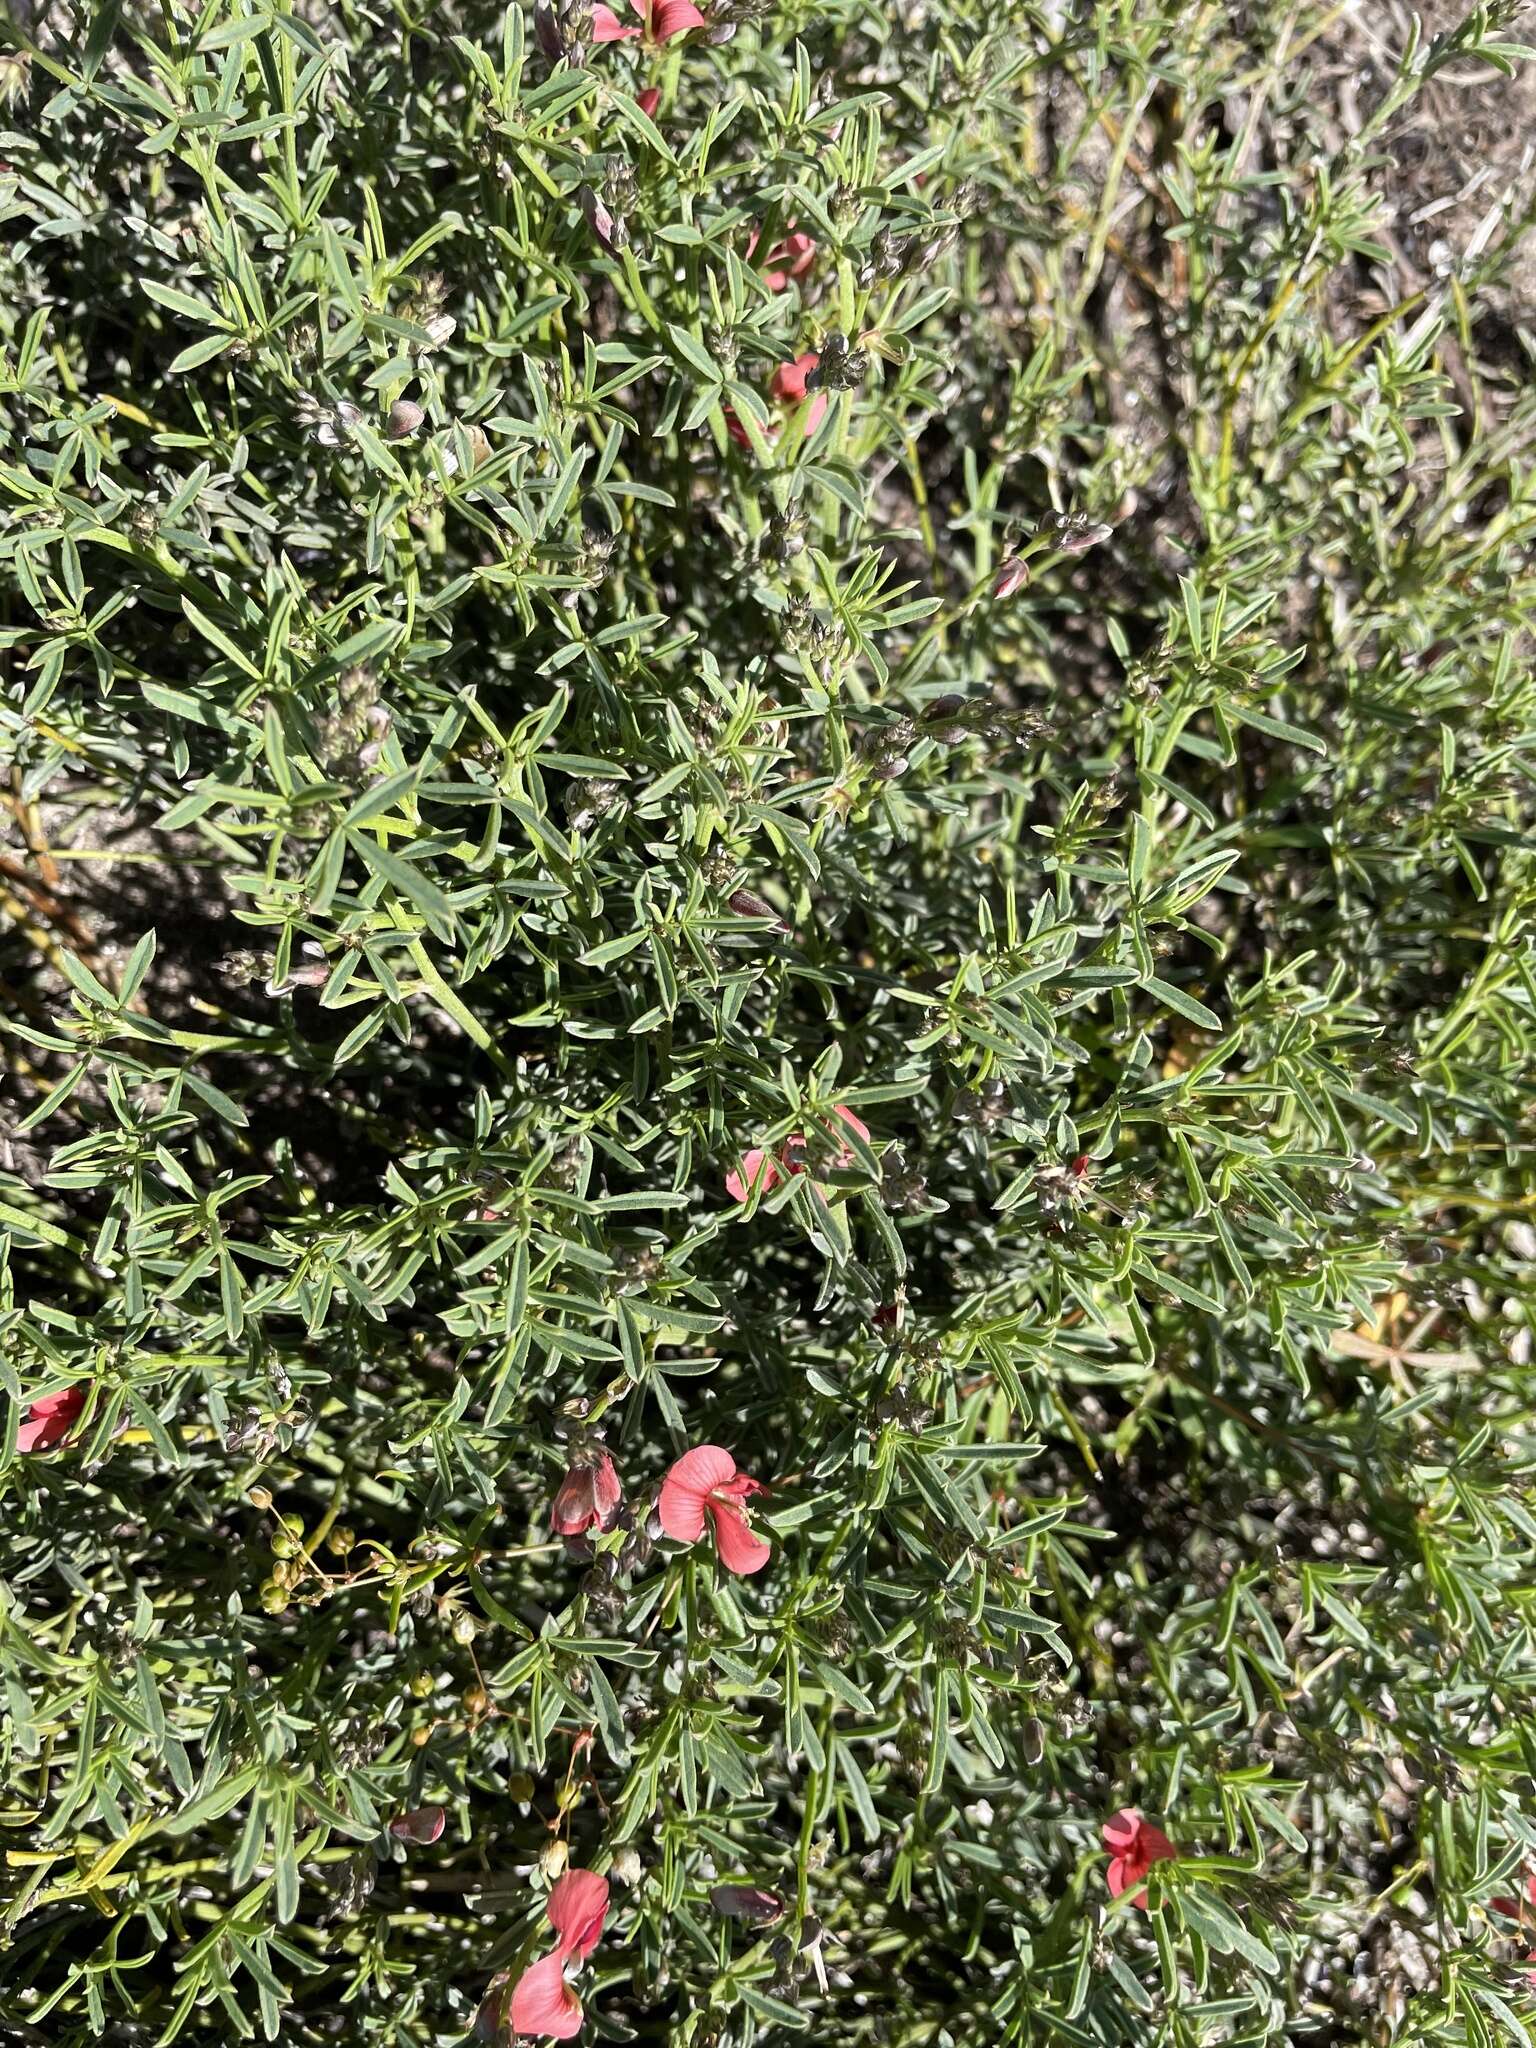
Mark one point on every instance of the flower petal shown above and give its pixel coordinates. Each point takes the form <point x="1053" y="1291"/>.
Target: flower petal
<point x="606" y="1491"/>
<point x="741" y="1549"/>
<point x="607" y="27"/>
<point x="589" y="1496"/>
<point x="573" y="1510"/>
<point x="741" y="1488"/>
<point x="759" y="1169"/>
<point x="790" y="259"/>
<point x="688" y="1486"/>
<point x="649" y="100"/>
<point x="49" y="1420"/>
<point x="798" y="250"/>
<point x="543" y="2004"/>
<point x="674" y="18"/>
<point x="855" y="1124"/>
<point x="788" y="381"/>
<point x="1153" y="1846"/>
<point x="1121" y="1829"/>
<point x="576" y="1909"/>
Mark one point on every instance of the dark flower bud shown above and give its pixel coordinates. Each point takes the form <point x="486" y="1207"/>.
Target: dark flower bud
<point x="493" y="2022"/>
<point x="608" y="226"/>
<point x="423" y="1824"/>
<point x="747" y="1902"/>
<point x="405" y="417"/>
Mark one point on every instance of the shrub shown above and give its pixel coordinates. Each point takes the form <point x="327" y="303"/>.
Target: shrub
<point x="791" y="751"/>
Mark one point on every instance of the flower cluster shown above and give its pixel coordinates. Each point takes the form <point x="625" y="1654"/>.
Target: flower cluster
<point x="702" y="1487"/>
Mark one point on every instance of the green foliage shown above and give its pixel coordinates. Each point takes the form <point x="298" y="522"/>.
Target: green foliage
<point x="529" y="761"/>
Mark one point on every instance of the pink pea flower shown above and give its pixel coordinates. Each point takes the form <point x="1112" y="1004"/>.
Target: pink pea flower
<point x="423" y="1824"/>
<point x="589" y="1496"/>
<point x="788" y="385"/>
<point x="1134" y="1845"/>
<point x="48" y="1421"/>
<point x="788" y="259"/>
<point x="1015" y="575"/>
<point x="705" y="1482"/>
<point x="764" y="1171"/>
<point x="649" y="100"/>
<point x="661" y="20"/>
<point x="543" y="2004"/>
<point x="759" y="1170"/>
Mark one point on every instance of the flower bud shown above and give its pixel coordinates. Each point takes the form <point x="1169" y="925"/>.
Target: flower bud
<point x="423" y="1824"/>
<point x="748" y="1903"/>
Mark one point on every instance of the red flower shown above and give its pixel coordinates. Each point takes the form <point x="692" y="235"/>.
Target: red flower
<point x="788" y="386"/>
<point x="576" y="1909"/>
<point x="48" y="1421"/>
<point x="543" y="2003"/>
<point x="1134" y="1845"/>
<point x="764" y="1170"/>
<point x="790" y="258"/>
<point x="759" y="1170"/>
<point x="660" y="19"/>
<point x="1015" y="574"/>
<point x="649" y="100"/>
<point x="424" y="1824"/>
<point x="588" y="1497"/>
<point x="704" y="1482"/>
